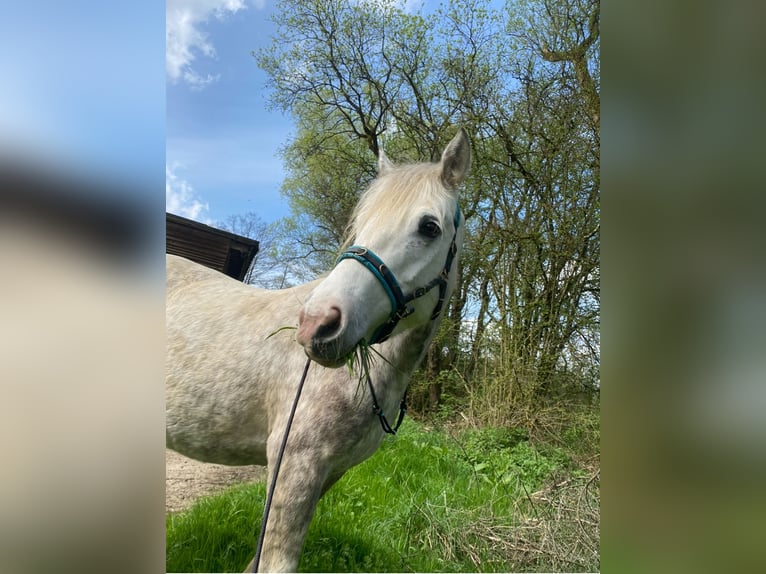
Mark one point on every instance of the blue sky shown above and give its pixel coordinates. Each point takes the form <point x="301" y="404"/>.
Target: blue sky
<point x="130" y="90"/>
<point x="222" y="141"/>
<point x="83" y="88"/>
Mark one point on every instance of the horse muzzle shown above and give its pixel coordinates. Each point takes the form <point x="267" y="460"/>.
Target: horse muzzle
<point x="321" y="336"/>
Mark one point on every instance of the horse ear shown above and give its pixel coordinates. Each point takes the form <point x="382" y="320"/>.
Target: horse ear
<point x="456" y="160"/>
<point x="384" y="164"/>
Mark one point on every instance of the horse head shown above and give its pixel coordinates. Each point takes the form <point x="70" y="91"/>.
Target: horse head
<point x="398" y="266"/>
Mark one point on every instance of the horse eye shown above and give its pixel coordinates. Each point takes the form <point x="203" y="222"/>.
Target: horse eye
<point x="429" y="228"/>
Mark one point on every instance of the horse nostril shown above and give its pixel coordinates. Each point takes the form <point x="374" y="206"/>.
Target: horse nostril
<point x="330" y="324"/>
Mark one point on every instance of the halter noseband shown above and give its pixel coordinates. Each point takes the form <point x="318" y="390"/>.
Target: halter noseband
<point x="399" y="301"/>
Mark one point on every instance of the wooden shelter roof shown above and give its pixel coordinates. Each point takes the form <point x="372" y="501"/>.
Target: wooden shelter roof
<point x="215" y="248"/>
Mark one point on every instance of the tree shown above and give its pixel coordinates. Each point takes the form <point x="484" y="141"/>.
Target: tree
<point x="267" y="270"/>
<point x="359" y="76"/>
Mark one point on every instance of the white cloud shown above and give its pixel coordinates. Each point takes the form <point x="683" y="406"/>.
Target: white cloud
<point x="180" y="197"/>
<point x="186" y="39"/>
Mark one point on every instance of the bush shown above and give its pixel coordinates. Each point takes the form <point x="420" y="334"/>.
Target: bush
<point x="505" y="456"/>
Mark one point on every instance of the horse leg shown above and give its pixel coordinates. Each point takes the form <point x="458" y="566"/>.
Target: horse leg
<point x="298" y="489"/>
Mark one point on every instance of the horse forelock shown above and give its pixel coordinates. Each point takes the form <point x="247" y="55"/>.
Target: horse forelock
<point x="392" y="197"/>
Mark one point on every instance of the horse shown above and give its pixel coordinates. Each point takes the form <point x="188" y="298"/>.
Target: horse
<point x="233" y="368"/>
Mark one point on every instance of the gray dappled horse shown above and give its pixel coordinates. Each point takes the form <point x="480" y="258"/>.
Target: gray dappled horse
<point x="230" y="385"/>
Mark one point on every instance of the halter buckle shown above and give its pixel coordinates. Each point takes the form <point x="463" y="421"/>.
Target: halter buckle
<point x="404" y="312"/>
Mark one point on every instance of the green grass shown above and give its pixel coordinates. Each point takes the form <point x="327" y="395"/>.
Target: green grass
<point x="424" y="502"/>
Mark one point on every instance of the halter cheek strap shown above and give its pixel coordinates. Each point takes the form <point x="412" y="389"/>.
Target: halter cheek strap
<point x="399" y="301"/>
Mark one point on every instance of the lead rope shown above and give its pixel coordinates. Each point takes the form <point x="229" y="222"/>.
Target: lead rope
<point x="376" y="408"/>
<point x="277" y="464"/>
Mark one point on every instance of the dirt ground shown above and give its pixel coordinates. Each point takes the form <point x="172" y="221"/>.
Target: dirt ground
<point x="186" y="480"/>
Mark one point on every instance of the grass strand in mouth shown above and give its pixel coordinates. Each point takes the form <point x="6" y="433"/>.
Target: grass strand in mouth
<point x="359" y="361"/>
<point x="286" y="327"/>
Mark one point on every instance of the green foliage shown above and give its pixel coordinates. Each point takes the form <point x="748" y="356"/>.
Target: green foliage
<point x="214" y="535"/>
<point x="522" y="326"/>
<point x="481" y="442"/>
<point x="453" y="396"/>
<point x="504" y="455"/>
<point x="424" y="502"/>
<point x="583" y="436"/>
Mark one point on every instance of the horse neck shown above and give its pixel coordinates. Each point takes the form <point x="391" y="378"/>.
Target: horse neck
<point x="403" y="353"/>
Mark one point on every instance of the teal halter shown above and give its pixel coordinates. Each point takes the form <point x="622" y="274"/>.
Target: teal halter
<point x="399" y="301"/>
